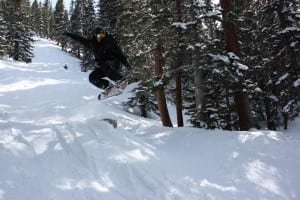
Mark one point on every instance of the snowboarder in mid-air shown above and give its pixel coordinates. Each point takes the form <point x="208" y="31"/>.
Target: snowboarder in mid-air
<point x="108" y="56"/>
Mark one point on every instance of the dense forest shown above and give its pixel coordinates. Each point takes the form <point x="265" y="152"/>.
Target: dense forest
<point x="232" y="65"/>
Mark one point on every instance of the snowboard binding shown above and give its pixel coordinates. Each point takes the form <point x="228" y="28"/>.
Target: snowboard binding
<point x="113" y="89"/>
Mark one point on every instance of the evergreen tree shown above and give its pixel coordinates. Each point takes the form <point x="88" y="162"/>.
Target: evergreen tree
<point x="27" y="37"/>
<point x="277" y="62"/>
<point x="286" y="57"/>
<point x="88" y="26"/>
<point x="147" y="46"/>
<point x="75" y="27"/>
<point x="3" y="32"/>
<point x="202" y="41"/>
<point x="19" y="35"/>
<point x="214" y="73"/>
<point x="109" y="12"/>
<point x="60" y="23"/>
<point x="36" y="17"/>
<point x="88" y="18"/>
<point x="241" y="97"/>
<point x="72" y="7"/>
<point x="65" y="27"/>
<point x="82" y="22"/>
<point x="52" y="24"/>
<point x="46" y="18"/>
<point x="132" y="40"/>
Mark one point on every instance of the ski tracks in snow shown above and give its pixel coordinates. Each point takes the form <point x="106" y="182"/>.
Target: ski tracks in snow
<point x="73" y="162"/>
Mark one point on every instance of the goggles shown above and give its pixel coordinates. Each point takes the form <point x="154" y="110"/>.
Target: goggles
<point x="100" y="36"/>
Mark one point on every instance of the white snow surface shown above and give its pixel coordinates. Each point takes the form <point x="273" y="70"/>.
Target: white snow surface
<point x="54" y="145"/>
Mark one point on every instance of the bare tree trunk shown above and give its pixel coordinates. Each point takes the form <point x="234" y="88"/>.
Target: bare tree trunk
<point x="178" y="76"/>
<point x="241" y="98"/>
<point x="160" y="94"/>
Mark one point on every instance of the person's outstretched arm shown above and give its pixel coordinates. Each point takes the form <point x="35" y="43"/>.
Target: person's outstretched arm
<point x="78" y="38"/>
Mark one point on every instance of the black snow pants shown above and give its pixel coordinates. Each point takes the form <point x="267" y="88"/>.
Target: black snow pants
<point x="107" y="70"/>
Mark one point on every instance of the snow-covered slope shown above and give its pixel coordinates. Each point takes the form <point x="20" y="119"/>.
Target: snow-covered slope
<point x="55" y="146"/>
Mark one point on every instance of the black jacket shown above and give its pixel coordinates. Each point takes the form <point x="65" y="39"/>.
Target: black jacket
<point x="105" y="50"/>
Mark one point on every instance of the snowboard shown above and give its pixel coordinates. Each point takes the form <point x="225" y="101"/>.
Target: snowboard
<point x="113" y="90"/>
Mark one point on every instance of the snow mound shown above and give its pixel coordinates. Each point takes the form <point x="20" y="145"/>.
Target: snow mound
<point x="55" y="145"/>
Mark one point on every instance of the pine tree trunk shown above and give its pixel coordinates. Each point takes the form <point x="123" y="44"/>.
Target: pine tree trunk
<point x="78" y="53"/>
<point x="270" y="121"/>
<point x="285" y="120"/>
<point x="143" y="108"/>
<point x="243" y="110"/>
<point x="197" y="73"/>
<point x="178" y="99"/>
<point x="199" y="88"/>
<point x="16" y="47"/>
<point x="160" y="94"/>
<point x="178" y="76"/>
<point x="241" y="98"/>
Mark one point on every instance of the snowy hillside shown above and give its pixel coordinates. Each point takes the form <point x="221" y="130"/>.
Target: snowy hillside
<point x="55" y="146"/>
